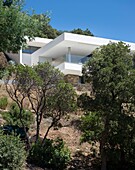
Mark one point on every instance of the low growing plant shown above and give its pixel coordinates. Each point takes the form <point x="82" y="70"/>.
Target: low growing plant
<point x="13" y="116"/>
<point x="52" y="155"/>
<point x="12" y="153"/>
<point x="3" y="102"/>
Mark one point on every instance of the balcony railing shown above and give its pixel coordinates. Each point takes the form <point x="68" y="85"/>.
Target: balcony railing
<point x="73" y="59"/>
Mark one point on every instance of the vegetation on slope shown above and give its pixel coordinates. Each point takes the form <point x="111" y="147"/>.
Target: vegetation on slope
<point x="108" y="119"/>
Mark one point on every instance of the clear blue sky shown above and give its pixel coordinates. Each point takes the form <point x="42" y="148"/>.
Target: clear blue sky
<point x="114" y="19"/>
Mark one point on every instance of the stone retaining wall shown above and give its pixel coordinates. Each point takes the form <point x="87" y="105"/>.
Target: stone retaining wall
<point x="80" y="88"/>
<point x="73" y="79"/>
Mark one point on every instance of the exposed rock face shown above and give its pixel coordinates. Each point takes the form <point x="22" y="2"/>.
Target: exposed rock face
<point x="80" y="88"/>
<point x="73" y="79"/>
<point x="3" y="60"/>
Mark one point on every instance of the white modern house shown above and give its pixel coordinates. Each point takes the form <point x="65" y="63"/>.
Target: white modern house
<point x="67" y="52"/>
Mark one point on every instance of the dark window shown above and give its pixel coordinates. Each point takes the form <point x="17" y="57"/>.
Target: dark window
<point x="82" y="79"/>
<point x="30" y="49"/>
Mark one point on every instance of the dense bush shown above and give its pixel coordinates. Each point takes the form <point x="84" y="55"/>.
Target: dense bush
<point x="120" y="147"/>
<point x="12" y="153"/>
<point x="83" y="101"/>
<point x="3" y="102"/>
<point x="52" y="155"/>
<point x="13" y="116"/>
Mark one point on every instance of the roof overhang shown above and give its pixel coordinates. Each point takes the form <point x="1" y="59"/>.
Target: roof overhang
<point x="80" y="45"/>
<point x="38" y="42"/>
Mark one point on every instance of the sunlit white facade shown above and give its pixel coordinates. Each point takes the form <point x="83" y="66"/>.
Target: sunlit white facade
<point x="67" y="52"/>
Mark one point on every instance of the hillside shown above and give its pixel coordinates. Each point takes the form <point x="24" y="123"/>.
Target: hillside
<point x="68" y="131"/>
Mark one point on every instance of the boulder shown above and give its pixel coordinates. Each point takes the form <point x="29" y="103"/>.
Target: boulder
<point x="3" y="60"/>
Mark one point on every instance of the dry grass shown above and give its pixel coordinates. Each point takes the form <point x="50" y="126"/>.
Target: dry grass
<point x="69" y="131"/>
<point x="3" y="93"/>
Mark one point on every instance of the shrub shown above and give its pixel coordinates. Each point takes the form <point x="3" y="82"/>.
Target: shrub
<point x="83" y="101"/>
<point x="3" y="102"/>
<point x="13" y="116"/>
<point x="52" y="155"/>
<point x="12" y="153"/>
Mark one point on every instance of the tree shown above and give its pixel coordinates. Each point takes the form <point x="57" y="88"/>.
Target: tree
<point x="82" y="32"/>
<point x="45" y="30"/>
<point x="78" y="31"/>
<point x="47" y="96"/>
<point x="110" y="120"/>
<point x="44" y="87"/>
<point x="3" y="64"/>
<point x="53" y="155"/>
<point x="7" y="3"/>
<point x="15" y="25"/>
<point x="51" y="32"/>
<point x="12" y="117"/>
<point x="60" y="102"/>
<point x="18" y="84"/>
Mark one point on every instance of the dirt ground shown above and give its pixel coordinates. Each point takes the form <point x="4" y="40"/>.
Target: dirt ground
<point x="69" y="132"/>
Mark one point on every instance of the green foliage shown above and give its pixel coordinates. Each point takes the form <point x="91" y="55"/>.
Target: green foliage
<point x="7" y="3"/>
<point x="3" y="102"/>
<point x="3" y="73"/>
<point x="112" y="75"/>
<point x="78" y="31"/>
<point x="15" y="26"/>
<point x="12" y="153"/>
<point x="92" y="125"/>
<point x="56" y="97"/>
<point x="44" y="87"/>
<point x="82" y="32"/>
<point x="51" y="32"/>
<point x="121" y="152"/>
<point x="52" y="155"/>
<point x="45" y="30"/>
<point x="62" y="100"/>
<point x="83" y="101"/>
<point x="13" y="116"/>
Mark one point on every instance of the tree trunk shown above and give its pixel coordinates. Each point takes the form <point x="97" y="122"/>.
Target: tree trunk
<point x="27" y="137"/>
<point x="103" y="166"/>
<point x="38" y="128"/>
<point x="103" y="142"/>
<point x="103" y="157"/>
<point x="45" y="136"/>
<point x="122" y="160"/>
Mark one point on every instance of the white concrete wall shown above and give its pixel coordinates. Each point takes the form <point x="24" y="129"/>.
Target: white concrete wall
<point x="94" y="40"/>
<point x="79" y="44"/>
<point x="14" y="57"/>
<point x="58" y="61"/>
<point x="70" y="68"/>
<point x="44" y="59"/>
<point x="39" y="42"/>
<point x="34" y="59"/>
<point x="26" y="59"/>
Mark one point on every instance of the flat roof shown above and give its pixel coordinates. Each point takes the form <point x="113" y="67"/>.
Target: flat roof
<point x="80" y="45"/>
<point x="39" y="42"/>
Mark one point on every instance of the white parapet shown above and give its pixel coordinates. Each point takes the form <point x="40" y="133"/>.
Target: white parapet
<point x="70" y="68"/>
